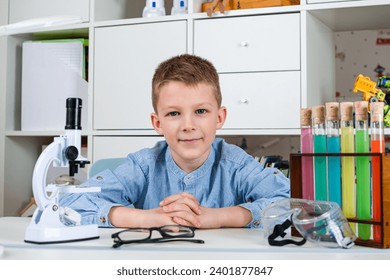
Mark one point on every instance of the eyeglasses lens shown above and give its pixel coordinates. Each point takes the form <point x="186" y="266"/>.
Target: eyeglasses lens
<point x="134" y="234"/>
<point x="177" y="231"/>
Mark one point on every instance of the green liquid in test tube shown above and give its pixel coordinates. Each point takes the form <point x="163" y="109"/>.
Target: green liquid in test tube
<point x="363" y="186"/>
<point x="319" y="146"/>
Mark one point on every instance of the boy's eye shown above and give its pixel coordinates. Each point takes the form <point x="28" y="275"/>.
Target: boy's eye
<point x="201" y="111"/>
<point x="173" y="114"/>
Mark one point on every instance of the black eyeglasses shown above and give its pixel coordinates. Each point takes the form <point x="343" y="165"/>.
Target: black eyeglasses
<point x="168" y="233"/>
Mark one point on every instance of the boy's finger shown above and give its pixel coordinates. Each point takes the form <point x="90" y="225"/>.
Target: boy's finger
<point x="186" y="219"/>
<point x="172" y="198"/>
<point x="182" y="222"/>
<point x="173" y="207"/>
<point x="183" y="204"/>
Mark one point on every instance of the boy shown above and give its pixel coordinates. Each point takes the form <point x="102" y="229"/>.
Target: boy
<point x="191" y="178"/>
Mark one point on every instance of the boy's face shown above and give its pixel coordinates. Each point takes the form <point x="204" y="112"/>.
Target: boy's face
<point x="188" y="117"/>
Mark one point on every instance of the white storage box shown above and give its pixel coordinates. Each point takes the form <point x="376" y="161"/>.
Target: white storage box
<point x="52" y="71"/>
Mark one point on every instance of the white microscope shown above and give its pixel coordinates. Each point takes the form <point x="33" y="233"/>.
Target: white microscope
<point x="52" y="223"/>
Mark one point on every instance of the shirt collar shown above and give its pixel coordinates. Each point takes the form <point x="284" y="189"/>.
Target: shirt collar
<point x="203" y="169"/>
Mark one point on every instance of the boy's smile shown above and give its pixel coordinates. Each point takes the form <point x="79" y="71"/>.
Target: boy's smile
<point x="188" y="117"/>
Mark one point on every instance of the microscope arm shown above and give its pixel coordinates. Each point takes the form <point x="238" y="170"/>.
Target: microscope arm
<point x="52" y="153"/>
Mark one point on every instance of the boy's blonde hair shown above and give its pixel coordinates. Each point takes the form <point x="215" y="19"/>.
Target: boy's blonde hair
<point x="188" y="69"/>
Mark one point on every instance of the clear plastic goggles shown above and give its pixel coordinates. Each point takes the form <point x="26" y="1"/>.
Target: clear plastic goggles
<point x="320" y="222"/>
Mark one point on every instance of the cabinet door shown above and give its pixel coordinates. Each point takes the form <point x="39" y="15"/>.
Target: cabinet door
<point x="125" y="60"/>
<point x="251" y="43"/>
<point x="269" y="100"/>
<point x="112" y="147"/>
<point x="29" y="9"/>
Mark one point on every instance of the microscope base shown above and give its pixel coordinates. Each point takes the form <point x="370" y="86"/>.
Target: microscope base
<point x="49" y="235"/>
<point x="46" y="227"/>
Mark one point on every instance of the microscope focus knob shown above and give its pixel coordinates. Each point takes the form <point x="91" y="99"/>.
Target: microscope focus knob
<point x="71" y="153"/>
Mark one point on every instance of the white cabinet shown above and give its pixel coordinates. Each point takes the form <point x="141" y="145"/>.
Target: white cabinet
<point x="111" y="147"/>
<point x="250" y="43"/>
<point x="28" y="9"/>
<point x="258" y="59"/>
<point x="268" y="100"/>
<point x="125" y="59"/>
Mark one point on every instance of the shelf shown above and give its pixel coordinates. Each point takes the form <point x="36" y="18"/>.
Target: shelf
<point x="151" y="132"/>
<point x="340" y="16"/>
<point x="57" y="32"/>
<point x="39" y="133"/>
<point x="353" y="15"/>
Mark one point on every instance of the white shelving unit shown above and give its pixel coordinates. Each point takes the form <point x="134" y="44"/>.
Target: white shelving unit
<point x="272" y="61"/>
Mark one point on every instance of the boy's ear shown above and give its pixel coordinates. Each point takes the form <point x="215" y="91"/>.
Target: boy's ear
<point x="156" y="123"/>
<point x="222" y="113"/>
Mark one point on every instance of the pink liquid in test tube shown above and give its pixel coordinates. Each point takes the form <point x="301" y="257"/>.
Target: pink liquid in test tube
<point x="307" y="161"/>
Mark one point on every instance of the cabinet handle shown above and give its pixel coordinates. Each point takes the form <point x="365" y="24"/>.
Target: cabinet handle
<point x="244" y="44"/>
<point x="244" y="101"/>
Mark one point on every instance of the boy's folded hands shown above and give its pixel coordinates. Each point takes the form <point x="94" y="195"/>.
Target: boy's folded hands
<point x="183" y="208"/>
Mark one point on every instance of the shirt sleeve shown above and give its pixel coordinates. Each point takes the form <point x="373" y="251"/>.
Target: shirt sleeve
<point x="261" y="188"/>
<point x="116" y="190"/>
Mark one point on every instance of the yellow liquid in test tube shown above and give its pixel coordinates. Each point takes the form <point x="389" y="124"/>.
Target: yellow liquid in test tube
<point x="347" y="145"/>
<point x="348" y="174"/>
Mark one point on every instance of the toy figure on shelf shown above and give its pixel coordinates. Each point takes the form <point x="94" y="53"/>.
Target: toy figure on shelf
<point x="375" y="92"/>
<point x="221" y="5"/>
<point x="384" y="83"/>
<point x="368" y="88"/>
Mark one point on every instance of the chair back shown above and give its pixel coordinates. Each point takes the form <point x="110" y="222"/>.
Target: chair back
<point x="103" y="164"/>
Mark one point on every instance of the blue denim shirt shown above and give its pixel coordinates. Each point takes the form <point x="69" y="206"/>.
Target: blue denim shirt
<point x="229" y="177"/>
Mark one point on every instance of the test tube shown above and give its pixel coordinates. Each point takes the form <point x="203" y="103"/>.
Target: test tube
<point x="363" y="187"/>
<point x="333" y="146"/>
<point x="307" y="161"/>
<point x="377" y="146"/>
<point x="319" y="146"/>
<point x="347" y="136"/>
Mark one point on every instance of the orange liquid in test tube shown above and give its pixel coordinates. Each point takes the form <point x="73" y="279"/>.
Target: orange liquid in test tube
<point x="377" y="146"/>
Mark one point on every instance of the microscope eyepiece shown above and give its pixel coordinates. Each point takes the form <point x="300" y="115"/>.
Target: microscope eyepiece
<point x="73" y="113"/>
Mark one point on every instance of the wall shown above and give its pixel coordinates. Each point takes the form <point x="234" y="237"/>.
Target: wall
<point x="360" y="52"/>
<point x="365" y="52"/>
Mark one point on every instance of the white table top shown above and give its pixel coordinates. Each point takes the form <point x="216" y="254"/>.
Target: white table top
<point x="221" y="244"/>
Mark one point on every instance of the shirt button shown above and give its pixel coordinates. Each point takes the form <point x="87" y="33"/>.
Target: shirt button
<point x="103" y="220"/>
<point x="256" y="223"/>
<point x="99" y="178"/>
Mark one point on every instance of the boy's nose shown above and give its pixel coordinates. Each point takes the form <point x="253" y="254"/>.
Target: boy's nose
<point x="188" y="124"/>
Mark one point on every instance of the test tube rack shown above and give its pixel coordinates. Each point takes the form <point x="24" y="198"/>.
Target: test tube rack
<point x="383" y="223"/>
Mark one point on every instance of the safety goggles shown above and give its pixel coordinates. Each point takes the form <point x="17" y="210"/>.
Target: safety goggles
<point x="320" y="222"/>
